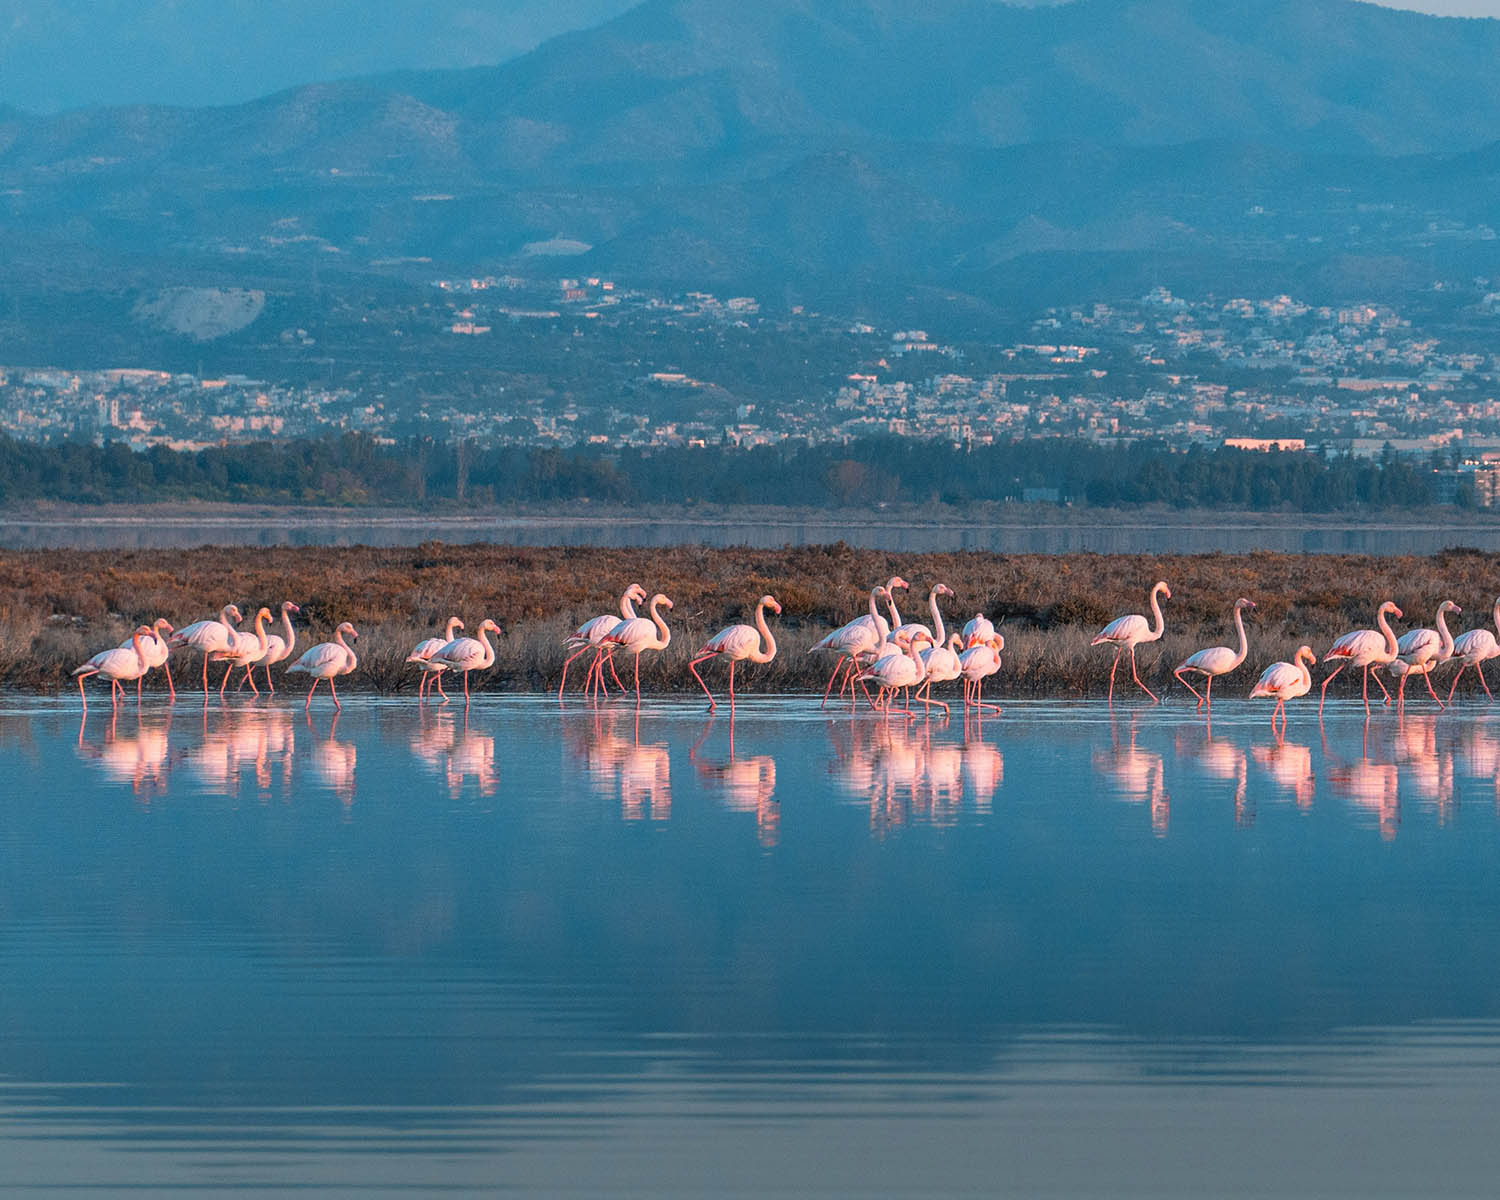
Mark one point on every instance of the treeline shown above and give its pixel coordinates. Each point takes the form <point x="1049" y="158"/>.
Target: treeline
<point x="354" y="469"/>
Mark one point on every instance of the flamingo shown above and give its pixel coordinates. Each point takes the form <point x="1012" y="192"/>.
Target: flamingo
<point x="1364" y="648"/>
<point x="422" y="652"/>
<point x="1283" y="681"/>
<point x="117" y="663"/>
<point x="639" y="634"/>
<point x="1420" y="650"/>
<point x="942" y="663"/>
<point x="208" y="637"/>
<point x="590" y="636"/>
<point x="327" y="660"/>
<point x="980" y="629"/>
<point x="157" y="650"/>
<point x="911" y="628"/>
<point x="1473" y="649"/>
<point x="1126" y="633"/>
<point x="737" y="643"/>
<point x="856" y="640"/>
<point x="976" y="664"/>
<point x="901" y="672"/>
<point x="1216" y="660"/>
<point x="278" y="648"/>
<point x="245" y="650"/>
<point x="467" y="654"/>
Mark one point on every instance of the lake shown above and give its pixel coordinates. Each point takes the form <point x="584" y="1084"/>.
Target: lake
<point x="565" y="951"/>
<point x="1037" y="532"/>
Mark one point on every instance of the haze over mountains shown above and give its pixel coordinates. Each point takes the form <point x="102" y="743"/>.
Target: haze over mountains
<point x="856" y="144"/>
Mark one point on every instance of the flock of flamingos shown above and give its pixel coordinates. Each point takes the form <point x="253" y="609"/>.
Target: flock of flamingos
<point x="899" y="658"/>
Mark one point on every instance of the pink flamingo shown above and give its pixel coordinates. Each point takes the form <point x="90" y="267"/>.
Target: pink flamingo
<point x="245" y="650"/>
<point x="857" y="639"/>
<point x="327" y="660"/>
<point x="900" y="672"/>
<point x="157" y="651"/>
<point x="976" y="664"/>
<point x="942" y="665"/>
<point x="422" y="652"/>
<point x="1364" y="648"/>
<point x="590" y="636"/>
<point x="278" y="648"/>
<point x="911" y="628"/>
<point x="738" y="643"/>
<point x="1216" y="660"/>
<point x="980" y="629"/>
<point x="115" y="664"/>
<point x="208" y="637"/>
<point x="1418" y="651"/>
<point x="1126" y="633"/>
<point x="1283" y="681"/>
<point x="639" y="634"/>
<point x="1474" y="649"/>
<point x="467" y="654"/>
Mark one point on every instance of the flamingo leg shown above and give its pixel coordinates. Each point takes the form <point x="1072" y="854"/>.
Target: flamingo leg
<point x="82" y="695"/>
<point x="335" y="692"/>
<point x="1136" y="676"/>
<point x="1324" y="694"/>
<point x="979" y="699"/>
<point x="731" y="687"/>
<point x="693" y="667"/>
<point x="310" y="692"/>
<point x="1479" y="668"/>
<point x="437" y="682"/>
<point x="138" y="680"/>
<point x="1365" y="691"/>
<point x="1112" y="667"/>
<point x="1462" y="667"/>
<point x="271" y="689"/>
<point x="581" y="650"/>
<point x="171" y="687"/>
<point x="1196" y="695"/>
<point x="1208" y="695"/>
<point x="1381" y="685"/>
<point x="228" y="671"/>
<point x="839" y="667"/>
<point x="1427" y="679"/>
<point x="205" y="676"/>
<point x="466" y="690"/>
<point x="609" y="660"/>
<point x="637" y="679"/>
<point x="250" y="679"/>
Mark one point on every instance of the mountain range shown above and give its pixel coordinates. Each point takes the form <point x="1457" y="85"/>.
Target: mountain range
<point x="818" y="140"/>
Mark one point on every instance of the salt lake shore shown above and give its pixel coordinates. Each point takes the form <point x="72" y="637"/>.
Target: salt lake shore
<point x="57" y="607"/>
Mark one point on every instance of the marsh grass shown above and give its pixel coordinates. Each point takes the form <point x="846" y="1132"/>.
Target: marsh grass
<point x="59" y="607"/>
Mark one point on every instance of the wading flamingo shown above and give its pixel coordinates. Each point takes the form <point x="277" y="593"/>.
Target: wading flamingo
<point x="738" y="643"/>
<point x="1418" y="651"/>
<point x="1216" y="660"/>
<point x="1283" y="681"/>
<point x="278" y="648"/>
<point x="899" y="673"/>
<point x="1364" y="648"/>
<point x="976" y="664"/>
<point x="1474" y="649"/>
<point x="1126" y="633"/>
<point x="590" y="636"/>
<point x="327" y="660"/>
<point x="208" y="637"/>
<point x="640" y="634"/>
<point x="246" y="651"/>
<point x="432" y="673"/>
<point x="911" y="628"/>
<point x="942" y="665"/>
<point x="157" y="652"/>
<point x="467" y="654"/>
<point x="856" y="641"/>
<point x="116" y="664"/>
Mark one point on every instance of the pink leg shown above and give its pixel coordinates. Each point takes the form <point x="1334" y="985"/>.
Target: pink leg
<point x="1324" y="695"/>
<point x="842" y="664"/>
<point x="1112" y="667"/>
<point x="171" y="687"/>
<point x="269" y="688"/>
<point x="567" y="661"/>
<point x="1134" y="675"/>
<point x="637" y="679"/>
<point x="1381" y="686"/>
<point x="466" y="690"/>
<point x="1479" y="667"/>
<point x="250" y="679"/>
<point x="1190" y="687"/>
<point x="205" y="677"/>
<point x="1462" y="667"/>
<point x="138" y="680"/>
<point x="82" y="695"/>
<point x="610" y="659"/>
<point x="310" y="691"/>
<point x="693" y="667"/>
<point x="1427" y="679"/>
<point x="225" y="682"/>
<point x="731" y="687"/>
<point x="437" y="682"/>
<point x="335" y="692"/>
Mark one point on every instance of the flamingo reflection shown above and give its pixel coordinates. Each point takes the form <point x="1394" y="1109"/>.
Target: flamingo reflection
<point x="743" y="784"/>
<point x="1138" y="776"/>
<point x="640" y="775"/>
<point x="331" y="762"/>
<point x="1425" y="763"/>
<point x="141" y="759"/>
<point x="1290" y="766"/>
<point x="449" y="748"/>
<point x="234" y="739"/>
<point x="1220" y="759"/>
<point x="1368" y="783"/>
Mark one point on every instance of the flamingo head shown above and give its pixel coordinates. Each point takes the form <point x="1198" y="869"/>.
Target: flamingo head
<point x="232" y="611"/>
<point x="488" y="626"/>
<point x="661" y="600"/>
<point x="1306" y="652"/>
<point x="1161" y="586"/>
<point x="770" y="602"/>
<point x="1243" y="603"/>
<point x="163" y="626"/>
<point x="635" y="593"/>
<point x="1449" y="606"/>
<point x="942" y="589"/>
<point x="1389" y="608"/>
<point x="349" y="629"/>
<point x="288" y="607"/>
<point x="143" y="631"/>
<point x="897" y="582"/>
<point x="263" y="615"/>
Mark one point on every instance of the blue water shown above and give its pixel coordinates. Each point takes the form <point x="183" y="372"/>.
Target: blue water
<point x="559" y="952"/>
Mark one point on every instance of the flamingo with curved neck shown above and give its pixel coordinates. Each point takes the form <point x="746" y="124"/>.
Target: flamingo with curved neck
<point x="738" y="643"/>
<point x="936" y="632"/>
<point x="246" y="651"/>
<point x="158" y="650"/>
<point x="1365" y="648"/>
<point x="327" y="660"/>
<point x="852" y="642"/>
<point x="1418" y="651"/>
<point x="1216" y="660"/>
<point x="467" y="654"/>
<point x="1283" y="681"/>
<point x="209" y="637"/>
<point x="590" y="636"/>
<point x="638" y="635"/>
<point x="115" y="664"/>
<point x="432" y="673"/>
<point x="278" y="648"/>
<point x="1128" y="632"/>
<point x="1474" y="649"/>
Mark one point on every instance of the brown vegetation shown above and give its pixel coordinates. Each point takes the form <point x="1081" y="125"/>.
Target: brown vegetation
<point x="58" y="607"/>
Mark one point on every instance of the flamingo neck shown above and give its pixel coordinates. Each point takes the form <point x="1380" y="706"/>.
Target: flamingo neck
<point x="1239" y="625"/>
<point x="140" y="651"/>
<point x="1445" y="639"/>
<point x="627" y="607"/>
<point x="291" y="634"/>
<point x="937" y="619"/>
<point x="890" y="603"/>
<point x="1160" y="625"/>
<point x="454" y="625"/>
<point x="881" y="627"/>
<point x="1301" y="660"/>
<point x="224" y="617"/>
<point x="260" y="631"/>
<point x="1390" y="638"/>
<point x="758" y="655"/>
<point x="489" y="651"/>
<point x="664" y="635"/>
<point x="1495" y="615"/>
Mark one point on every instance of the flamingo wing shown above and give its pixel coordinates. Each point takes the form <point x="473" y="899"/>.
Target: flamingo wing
<point x="1418" y="644"/>
<point x="1357" y="644"/>
<point x="1216" y="660"/>
<point x="1277" y="679"/>
<point x="1476" y="645"/>
<point x="462" y="654"/>
<point x="1130" y="628"/>
<point x="736" y="641"/>
<point x="324" y="659"/>
<point x="424" y="650"/>
<point x="203" y="635"/>
<point x="594" y="631"/>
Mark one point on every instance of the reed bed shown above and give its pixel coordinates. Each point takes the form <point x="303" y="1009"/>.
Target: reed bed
<point x="58" y="607"/>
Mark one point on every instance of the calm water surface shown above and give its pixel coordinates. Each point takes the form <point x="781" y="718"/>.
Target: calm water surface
<point x="563" y="952"/>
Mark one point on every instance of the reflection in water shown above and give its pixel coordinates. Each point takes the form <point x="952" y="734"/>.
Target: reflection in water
<point x="444" y="743"/>
<point x="1290" y="766"/>
<point x="743" y="784"/>
<point x="236" y="738"/>
<point x="331" y="762"/>
<point x="1220" y="759"/>
<point x="1426" y="769"/>
<point x="617" y="765"/>
<point x="1139" y="776"/>
<point x="1369" y="783"/>
<point x="139" y="758"/>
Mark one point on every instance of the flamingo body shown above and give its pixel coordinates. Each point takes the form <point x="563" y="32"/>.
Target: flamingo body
<point x="1128" y="632"/>
<point x="738" y="643"/>
<point x="327" y="660"/>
